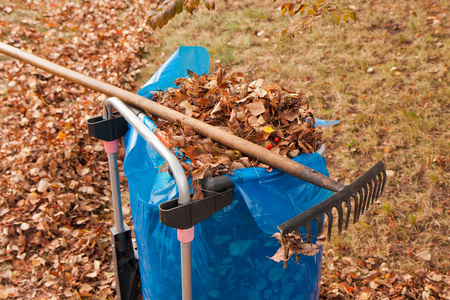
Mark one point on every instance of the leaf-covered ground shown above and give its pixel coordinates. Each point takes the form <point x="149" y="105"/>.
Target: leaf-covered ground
<point x="54" y="193"/>
<point x="55" y="211"/>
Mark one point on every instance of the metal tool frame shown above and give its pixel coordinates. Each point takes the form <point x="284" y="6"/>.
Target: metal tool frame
<point x="131" y="115"/>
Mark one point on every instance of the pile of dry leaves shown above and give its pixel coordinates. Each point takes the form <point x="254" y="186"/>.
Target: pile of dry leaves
<point x="264" y="113"/>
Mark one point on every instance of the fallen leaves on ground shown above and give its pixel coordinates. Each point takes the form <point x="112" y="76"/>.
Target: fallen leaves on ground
<point x="373" y="278"/>
<point x="55" y="210"/>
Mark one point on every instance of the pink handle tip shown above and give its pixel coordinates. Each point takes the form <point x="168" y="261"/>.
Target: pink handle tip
<point x="185" y="235"/>
<point x="111" y="147"/>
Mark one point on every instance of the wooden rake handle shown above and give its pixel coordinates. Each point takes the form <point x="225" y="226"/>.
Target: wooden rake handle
<point x="263" y="155"/>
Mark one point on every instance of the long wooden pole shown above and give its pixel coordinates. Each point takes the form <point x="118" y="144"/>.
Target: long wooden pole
<point x="261" y="154"/>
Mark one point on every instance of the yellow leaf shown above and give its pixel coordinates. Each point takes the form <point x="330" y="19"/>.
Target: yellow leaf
<point x="268" y="129"/>
<point x="62" y="135"/>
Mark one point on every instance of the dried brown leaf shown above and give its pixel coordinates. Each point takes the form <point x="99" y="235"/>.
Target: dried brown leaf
<point x="256" y="108"/>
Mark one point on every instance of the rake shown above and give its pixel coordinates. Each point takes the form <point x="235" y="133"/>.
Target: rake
<point x="357" y="196"/>
<point x="362" y="192"/>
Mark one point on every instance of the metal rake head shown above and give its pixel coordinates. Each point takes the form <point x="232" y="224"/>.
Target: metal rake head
<point x="357" y="197"/>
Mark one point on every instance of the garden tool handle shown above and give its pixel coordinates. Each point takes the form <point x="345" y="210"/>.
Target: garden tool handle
<point x="111" y="149"/>
<point x="263" y="155"/>
<point x="154" y="141"/>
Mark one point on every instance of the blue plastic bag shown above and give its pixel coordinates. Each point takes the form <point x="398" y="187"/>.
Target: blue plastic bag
<point x="194" y="59"/>
<point x="231" y="249"/>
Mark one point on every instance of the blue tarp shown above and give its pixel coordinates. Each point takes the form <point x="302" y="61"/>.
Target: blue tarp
<point x="231" y="249"/>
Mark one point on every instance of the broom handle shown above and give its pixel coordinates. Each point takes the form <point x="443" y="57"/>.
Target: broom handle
<point x="263" y="155"/>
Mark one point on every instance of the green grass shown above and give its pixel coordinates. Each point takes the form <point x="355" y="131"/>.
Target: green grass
<point x="398" y="113"/>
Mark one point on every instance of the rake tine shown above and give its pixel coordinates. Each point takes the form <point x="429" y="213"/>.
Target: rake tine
<point x="308" y="232"/>
<point x="340" y="217"/>
<point x="348" y="203"/>
<point x="375" y="191"/>
<point x="371" y="190"/>
<point x="360" y="200"/>
<point x="357" y="210"/>
<point x="363" y="197"/>
<point x="319" y="221"/>
<point x="330" y="224"/>
<point x="363" y="200"/>
<point x="374" y="186"/>
<point x="365" y="194"/>
<point x="378" y="187"/>
<point x="383" y="175"/>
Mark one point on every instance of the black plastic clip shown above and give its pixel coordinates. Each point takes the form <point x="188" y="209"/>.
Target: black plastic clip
<point x="107" y="129"/>
<point x="187" y="215"/>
